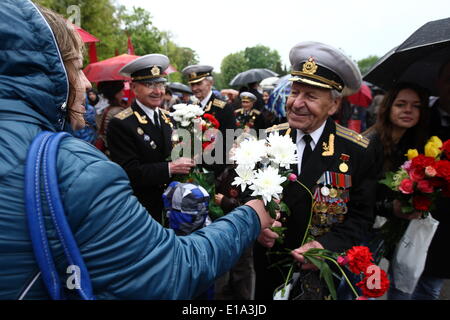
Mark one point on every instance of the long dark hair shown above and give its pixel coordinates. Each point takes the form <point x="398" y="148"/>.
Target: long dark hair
<point x="384" y="127"/>
<point x="109" y="89"/>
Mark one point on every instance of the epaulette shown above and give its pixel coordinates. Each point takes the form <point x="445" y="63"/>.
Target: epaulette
<point x="278" y="127"/>
<point x="219" y="103"/>
<point x="254" y="111"/>
<point x="124" y="114"/>
<point x="351" y="135"/>
<point x="238" y="110"/>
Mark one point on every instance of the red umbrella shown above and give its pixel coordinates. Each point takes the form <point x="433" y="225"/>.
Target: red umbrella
<point x="108" y="70"/>
<point x="362" y="98"/>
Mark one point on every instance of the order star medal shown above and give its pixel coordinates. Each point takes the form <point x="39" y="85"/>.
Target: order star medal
<point x="140" y="131"/>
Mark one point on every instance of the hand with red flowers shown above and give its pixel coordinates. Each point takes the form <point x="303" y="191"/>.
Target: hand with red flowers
<point x="298" y="254"/>
<point x="397" y="207"/>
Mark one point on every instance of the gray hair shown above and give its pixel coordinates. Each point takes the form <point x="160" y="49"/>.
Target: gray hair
<point x="335" y="94"/>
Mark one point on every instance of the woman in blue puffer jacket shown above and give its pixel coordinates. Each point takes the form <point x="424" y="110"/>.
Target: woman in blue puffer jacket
<point x="128" y="254"/>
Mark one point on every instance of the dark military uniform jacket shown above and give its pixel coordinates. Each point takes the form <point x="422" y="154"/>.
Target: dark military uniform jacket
<point x="223" y="112"/>
<point x="142" y="149"/>
<point x="252" y="119"/>
<point x="337" y="225"/>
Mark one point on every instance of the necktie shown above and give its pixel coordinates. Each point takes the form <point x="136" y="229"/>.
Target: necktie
<point x="307" y="151"/>
<point x="155" y="119"/>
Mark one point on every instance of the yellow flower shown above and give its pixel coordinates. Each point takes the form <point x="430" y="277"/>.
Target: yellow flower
<point x="431" y="150"/>
<point x="412" y="153"/>
<point x="436" y="141"/>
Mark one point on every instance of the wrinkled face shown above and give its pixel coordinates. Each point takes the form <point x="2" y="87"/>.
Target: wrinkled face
<point x="81" y="84"/>
<point x="405" y="110"/>
<point x="308" y="107"/>
<point x="150" y="94"/>
<point x="201" y="89"/>
<point x="443" y="86"/>
<point x="247" y="105"/>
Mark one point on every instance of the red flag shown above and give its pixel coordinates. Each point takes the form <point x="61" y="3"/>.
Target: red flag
<point x="92" y="53"/>
<point x="130" y="46"/>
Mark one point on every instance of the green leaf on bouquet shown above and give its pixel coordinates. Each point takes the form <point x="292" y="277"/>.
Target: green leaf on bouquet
<point x="388" y="180"/>
<point x="325" y="273"/>
<point x="272" y="207"/>
<point x="280" y="232"/>
<point x="285" y="208"/>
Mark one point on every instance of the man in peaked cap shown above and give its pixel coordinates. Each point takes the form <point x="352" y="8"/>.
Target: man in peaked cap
<point x="201" y="81"/>
<point x="139" y="138"/>
<point x="248" y="117"/>
<point x="335" y="164"/>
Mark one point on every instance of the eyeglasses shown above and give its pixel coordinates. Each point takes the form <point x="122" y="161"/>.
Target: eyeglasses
<point x="153" y="86"/>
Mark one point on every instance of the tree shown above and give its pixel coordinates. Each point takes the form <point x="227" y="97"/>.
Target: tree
<point x="263" y="57"/>
<point x="138" y="25"/>
<point x="231" y="65"/>
<point x="366" y="63"/>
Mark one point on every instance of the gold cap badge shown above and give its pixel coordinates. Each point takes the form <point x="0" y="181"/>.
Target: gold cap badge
<point x="193" y="74"/>
<point x="310" y="67"/>
<point x="155" y="71"/>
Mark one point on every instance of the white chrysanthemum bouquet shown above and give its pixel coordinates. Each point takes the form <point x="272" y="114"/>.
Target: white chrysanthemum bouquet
<point x="263" y="166"/>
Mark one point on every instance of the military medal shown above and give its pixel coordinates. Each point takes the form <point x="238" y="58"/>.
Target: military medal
<point x="343" y="167"/>
<point x="140" y="131"/>
<point x="333" y="193"/>
<point x="153" y="144"/>
<point x="325" y="191"/>
<point x="146" y="137"/>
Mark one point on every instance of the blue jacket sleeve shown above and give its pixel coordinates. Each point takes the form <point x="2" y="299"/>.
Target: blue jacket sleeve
<point x="131" y="256"/>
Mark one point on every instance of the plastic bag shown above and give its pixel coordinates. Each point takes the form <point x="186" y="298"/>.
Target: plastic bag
<point x="411" y="253"/>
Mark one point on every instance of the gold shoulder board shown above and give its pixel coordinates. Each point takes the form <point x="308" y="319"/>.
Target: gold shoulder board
<point x="124" y="114"/>
<point x="351" y="135"/>
<point x="238" y="110"/>
<point x="219" y="103"/>
<point x="279" y="127"/>
<point x="257" y="112"/>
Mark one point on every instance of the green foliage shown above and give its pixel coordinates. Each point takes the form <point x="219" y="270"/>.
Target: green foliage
<point x="366" y="63"/>
<point x="111" y="25"/>
<point x="258" y="56"/>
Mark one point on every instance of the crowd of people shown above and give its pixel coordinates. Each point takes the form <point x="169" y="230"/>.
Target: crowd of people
<point x="112" y="183"/>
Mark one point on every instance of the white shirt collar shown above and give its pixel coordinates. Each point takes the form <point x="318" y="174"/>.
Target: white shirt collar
<point x="205" y="101"/>
<point x="315" y="135"/>
<point x="148" y="111"/>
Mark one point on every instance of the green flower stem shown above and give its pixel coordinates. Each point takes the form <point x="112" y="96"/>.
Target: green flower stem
<point x="310" y="212"/>
<point x="340" y="269"/>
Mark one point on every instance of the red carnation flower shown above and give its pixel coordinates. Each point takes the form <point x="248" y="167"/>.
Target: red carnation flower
<point x="421" y="203"/>
<point x="425" y="186"/>
<point x="443" y="169"/>
<point x="422" y="162"/>
<point x="375" y="282"/>
<point x="359" y="258"/>
<point x="446" y="149"/>
<point x="212" y="120"/>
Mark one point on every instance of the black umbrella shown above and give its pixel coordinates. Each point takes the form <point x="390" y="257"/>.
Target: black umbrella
<point x="179" y="87"/>
<point x="251" y="76"/>
<point x="417" y="59"/>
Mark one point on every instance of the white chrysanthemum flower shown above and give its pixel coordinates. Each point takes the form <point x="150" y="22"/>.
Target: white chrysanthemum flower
<point x="267" y="184"/>
<point x="186" y="113"/>
<point x="250" y="152"/>
<point x="245" y="176"/>
<point x="281" y="150"/>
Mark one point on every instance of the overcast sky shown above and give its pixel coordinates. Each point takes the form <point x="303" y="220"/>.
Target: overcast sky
<point x="216" y="28"/>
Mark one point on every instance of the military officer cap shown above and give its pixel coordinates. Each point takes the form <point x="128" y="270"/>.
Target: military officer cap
<point x="323" y="66"/>
<point x="247" y="96"/>
<point x="196" y="73"/>
<point x="148" y="68"/>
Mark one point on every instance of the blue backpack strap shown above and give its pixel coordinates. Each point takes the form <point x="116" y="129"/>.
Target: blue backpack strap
<point x="35" y="218"/>
<point x="46" y="144"/>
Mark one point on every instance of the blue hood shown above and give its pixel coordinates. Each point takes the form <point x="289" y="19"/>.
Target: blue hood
<point x="33" y="81"/>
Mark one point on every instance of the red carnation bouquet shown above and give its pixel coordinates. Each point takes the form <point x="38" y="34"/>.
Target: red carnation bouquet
<point x="210" y="126"/>
<point x="358" y="259"/>
<point x="423" y="177"/>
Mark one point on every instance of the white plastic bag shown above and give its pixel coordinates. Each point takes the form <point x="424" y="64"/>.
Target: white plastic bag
<point x="411" y="253"/>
